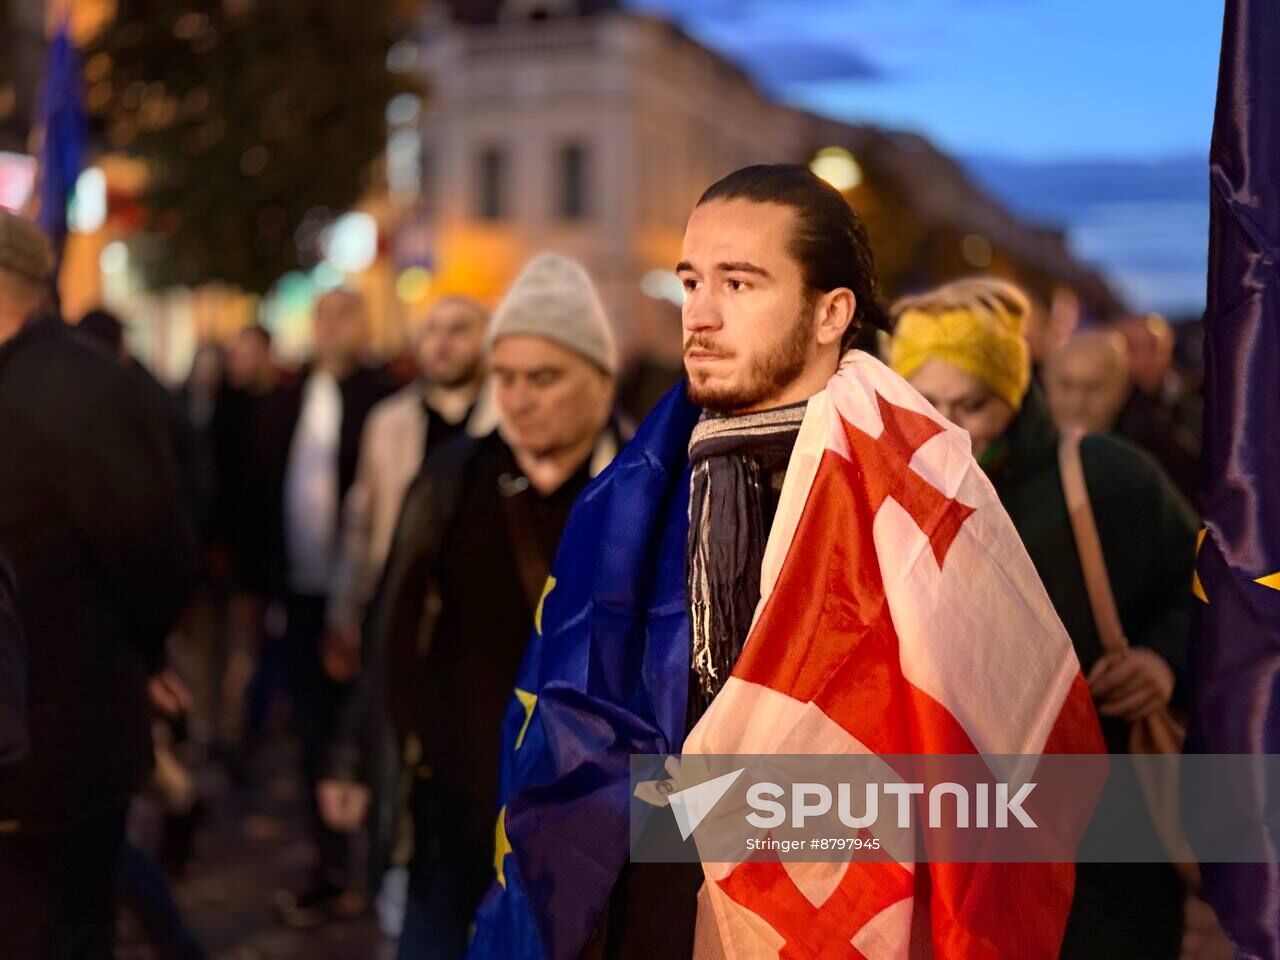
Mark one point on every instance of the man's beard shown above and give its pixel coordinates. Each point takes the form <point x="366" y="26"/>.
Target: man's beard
<point x="453" y="379"/>
<point x="769" y="374"/>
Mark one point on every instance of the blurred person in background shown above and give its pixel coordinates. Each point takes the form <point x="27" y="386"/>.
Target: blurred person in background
<point x="402" y="430"/>
<point x="465" y="577"/>
<point x="1048" y="329"/>
<point x="1086" y="381"/>
<point x="249" y="377"/>
<point x="1163" y="408"/>
<point x="1152" y="343"/>
<point x="1089" y="383"/>
<point x="195" y="471"/>
<point x="305" y="445"/>
<point x="92" y="521"/>
<point x="141" y="886"/>
<point x="962" y="346"/>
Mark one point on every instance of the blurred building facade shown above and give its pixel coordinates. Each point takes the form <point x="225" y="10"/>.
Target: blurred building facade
<point x="583" y="129"/>
<point x="572" y="125"/>
<point x="578" y="126"/>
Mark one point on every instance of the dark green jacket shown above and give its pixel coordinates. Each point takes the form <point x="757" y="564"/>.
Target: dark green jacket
<point x="1147" y="529"/>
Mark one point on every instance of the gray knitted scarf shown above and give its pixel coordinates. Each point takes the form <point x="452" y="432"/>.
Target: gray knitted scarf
<point x="738" y="465"/>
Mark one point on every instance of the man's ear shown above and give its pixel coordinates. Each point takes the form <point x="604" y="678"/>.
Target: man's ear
<point x="835" y="312"/>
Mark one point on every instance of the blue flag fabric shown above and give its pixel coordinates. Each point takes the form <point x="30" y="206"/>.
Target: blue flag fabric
<point x="605" y="676"/>
<point x="1236" y="667"/>
<point x="61" y="119"/>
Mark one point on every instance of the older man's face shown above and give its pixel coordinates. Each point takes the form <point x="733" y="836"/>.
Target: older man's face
<point x="549" y="397"/>
<point x="1086" y="384"/>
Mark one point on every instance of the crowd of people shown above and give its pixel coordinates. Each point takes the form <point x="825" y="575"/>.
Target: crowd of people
<point x="371" y="545"/>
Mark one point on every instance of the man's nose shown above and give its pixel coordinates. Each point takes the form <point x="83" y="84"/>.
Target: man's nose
<point x="700" y="312"/>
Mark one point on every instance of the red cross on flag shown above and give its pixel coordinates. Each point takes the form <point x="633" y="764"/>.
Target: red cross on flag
<point x="899" y="615"/>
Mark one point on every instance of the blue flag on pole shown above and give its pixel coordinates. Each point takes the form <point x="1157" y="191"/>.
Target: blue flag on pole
<point x="62" y="132"/>
<point x="1237" y="658"/>
<point x="605" y="676"/>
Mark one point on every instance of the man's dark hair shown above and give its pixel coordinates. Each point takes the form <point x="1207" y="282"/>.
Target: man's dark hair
<point x="104" y="328"/>
<point x="830" y="241"/>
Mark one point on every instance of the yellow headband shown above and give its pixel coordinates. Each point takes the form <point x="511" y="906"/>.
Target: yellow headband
<point x="988" y="345"/>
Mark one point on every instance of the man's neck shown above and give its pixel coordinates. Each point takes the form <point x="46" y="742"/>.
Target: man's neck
<point x="454" y="402"/>
<point x="338" y="369"/>
<point x="549" y="472"/>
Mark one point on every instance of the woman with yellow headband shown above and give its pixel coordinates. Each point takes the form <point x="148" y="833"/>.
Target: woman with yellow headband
<point x="963" y="347"/>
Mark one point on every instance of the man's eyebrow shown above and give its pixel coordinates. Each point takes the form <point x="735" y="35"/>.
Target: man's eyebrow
<point x="742" y="266"/>
<point x="531" y="372"/>
<point x="731" y="266"/>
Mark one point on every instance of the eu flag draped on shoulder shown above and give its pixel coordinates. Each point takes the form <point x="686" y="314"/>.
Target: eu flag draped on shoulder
<point x="880" y="565"/>
<point x="1237" y="653"/>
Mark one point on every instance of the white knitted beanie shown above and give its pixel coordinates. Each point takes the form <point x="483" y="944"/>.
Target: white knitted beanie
<point x="553" y="297"/>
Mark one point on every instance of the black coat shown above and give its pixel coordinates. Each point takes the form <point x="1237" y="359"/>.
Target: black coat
<point x="13" y="673"/>
<point x="1148" y="534"/>
<point x="261" y="533"/>
<point x="92" y="521"/>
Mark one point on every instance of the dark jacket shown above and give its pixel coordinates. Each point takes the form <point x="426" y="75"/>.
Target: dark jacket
<point x="1148" y="534"/>
<point x="13" y="673"/>
<point x="274" y="420"/>
<point x="91" y="519"/>
<point x="389" y="702"/>
<point x="1147" y="423"/>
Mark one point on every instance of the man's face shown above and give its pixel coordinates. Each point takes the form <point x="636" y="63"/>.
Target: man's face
<point x="19" y="298"/>
<point x="451" y="343"/>
<point x="749" y="322"/>
<point x="549" y="397"/>
<point x="1150" y="352"/>
<point x="248" y="358"/>
<point x="339" y="328"/>
<point x="964" y="400"/>
<point x="1085" y="386"/>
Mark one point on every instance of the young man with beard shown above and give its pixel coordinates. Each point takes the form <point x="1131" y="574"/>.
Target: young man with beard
<point x="719" y="591"/>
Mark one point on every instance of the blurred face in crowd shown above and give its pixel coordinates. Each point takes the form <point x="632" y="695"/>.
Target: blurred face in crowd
<point x="752" y="329"/>
<point x="1150" y="344"/>
<point x="1086" y="381"/>
<point x="966" y="401"/>
<point x="451" y="343"/>
<point x="19" y="298"/>
<point x="549" y="398"/>
<point x="339" y="328"/>
<point x="206" y="367"/>
<point x="1048" y="329"/>
<point x="248" y="360"/>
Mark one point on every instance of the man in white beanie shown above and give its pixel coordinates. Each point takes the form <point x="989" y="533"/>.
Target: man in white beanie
<point x="465" y="577"/>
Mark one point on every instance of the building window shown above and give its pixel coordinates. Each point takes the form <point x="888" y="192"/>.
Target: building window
<point x="491" y="201"/>
<point x="574" y="183"/>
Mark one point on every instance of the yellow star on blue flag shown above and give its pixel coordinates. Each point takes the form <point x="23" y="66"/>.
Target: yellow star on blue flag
<point x="501" y="846"/>
<point x="1196" y="586"/>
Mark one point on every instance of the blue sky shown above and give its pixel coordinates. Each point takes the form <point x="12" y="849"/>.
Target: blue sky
<point x="1023" y="79"/>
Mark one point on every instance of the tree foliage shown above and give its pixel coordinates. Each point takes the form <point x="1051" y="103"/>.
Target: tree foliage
<point x="258" y="120"/>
